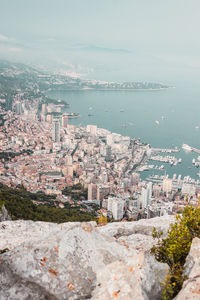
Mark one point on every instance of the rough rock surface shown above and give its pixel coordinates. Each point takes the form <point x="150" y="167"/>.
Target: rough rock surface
<point x="143" y="226"/>
<point x="4" y="216"/>
<point x="138" y="235"/>
<point x="140" y="278"/>
<point x="79" y="260"/>
<point x="138" y="242"/>
<point x="191" y="287"/>
<point x="15" y="233"/>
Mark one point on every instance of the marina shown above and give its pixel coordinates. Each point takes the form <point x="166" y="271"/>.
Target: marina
<point x="177" y="181"/>
<point x="172" y="160"/>
<point x="150" y="167"/>
<point x="165" y="150"/>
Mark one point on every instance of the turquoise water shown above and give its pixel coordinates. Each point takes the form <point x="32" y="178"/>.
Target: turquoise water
<point x="176" y="109"/>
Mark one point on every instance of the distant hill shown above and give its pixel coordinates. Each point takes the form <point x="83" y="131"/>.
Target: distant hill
<point x="18" y="77"/>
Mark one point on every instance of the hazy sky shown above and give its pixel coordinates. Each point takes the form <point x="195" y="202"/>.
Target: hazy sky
<point x="130" y="39"/>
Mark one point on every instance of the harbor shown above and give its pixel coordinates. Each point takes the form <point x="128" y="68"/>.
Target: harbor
<point x="176" y="180"/>
<point x="165" y="139"/>
<point x="165" y="165"/>
<point x="172" y="160"/>
<point x="165" y="150"/>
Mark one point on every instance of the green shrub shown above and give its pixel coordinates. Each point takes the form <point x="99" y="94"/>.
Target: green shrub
<point x="174" y="249"/>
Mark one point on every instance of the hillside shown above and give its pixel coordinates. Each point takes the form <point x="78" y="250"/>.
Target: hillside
<point x="17" y="77"/>
<point x="22" y="204"/>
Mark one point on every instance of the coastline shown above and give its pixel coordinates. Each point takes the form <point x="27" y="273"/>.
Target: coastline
<point x="93" y="89"/>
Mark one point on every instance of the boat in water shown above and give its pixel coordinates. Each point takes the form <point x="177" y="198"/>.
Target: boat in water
<point x="73" y="115"/>
<point x="187" y="148"/>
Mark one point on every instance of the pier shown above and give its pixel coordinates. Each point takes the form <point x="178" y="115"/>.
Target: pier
<point x="176" y="182"/>
<point x="195" y="150"/>
<point x="165" y="150"/>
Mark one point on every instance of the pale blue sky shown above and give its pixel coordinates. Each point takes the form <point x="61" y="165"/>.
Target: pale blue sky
<point x="152" y="38"/>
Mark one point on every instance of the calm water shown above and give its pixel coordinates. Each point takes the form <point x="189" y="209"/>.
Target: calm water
<point x="176" y="109"/>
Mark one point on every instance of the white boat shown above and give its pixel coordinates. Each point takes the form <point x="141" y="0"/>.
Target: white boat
<point x="157" y="122"/>
<point x="186" y="147"/>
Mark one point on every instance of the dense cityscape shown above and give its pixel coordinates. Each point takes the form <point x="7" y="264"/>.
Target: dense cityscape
<point x="42" y="152"/>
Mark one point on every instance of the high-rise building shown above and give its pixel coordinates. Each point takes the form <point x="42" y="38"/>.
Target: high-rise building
<point x="18" y="108"/>
<point x="146" y="195"/>
<point x="167" y="185"/>
<point x="108" y="153"/>
<point x="92" y="191"/>
<point x="144" y="198"/>
<point x="44" y="108"/>
<point x="118" y="209"/>
<point x="64" y="120"/>
<point x="109" y="139"/>
<point x="92" y="129"/>
<point x="49" y="118"/>
<point x="135" y="179"/>
<point x="56" y="129"/>
<point x="102" y="191"/>
<point x="116" y="206"/>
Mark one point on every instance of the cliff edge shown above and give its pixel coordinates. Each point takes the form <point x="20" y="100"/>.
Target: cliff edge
<point x="85" y="261"/>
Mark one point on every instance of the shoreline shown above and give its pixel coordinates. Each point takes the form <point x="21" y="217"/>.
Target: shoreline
<point x="93" y="89"/>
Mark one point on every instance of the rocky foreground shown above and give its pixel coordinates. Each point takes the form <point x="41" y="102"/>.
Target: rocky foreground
<point x="84" y="261"/>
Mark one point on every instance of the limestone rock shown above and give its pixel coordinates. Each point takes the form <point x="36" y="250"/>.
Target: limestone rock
<point x="191" y="287"/>
<point x="137" y="235"/>
<point x="138" y="242"/>
<point x="138" y="279"/>
<point x="80" y="260"/>
<point x="15" y="233"/>
<point x="4" y="216"/>
<point x="63" y="264"/>
<point x="143" y="226"/>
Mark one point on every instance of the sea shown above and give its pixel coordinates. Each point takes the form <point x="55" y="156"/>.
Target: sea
<point x="164" y="119"/>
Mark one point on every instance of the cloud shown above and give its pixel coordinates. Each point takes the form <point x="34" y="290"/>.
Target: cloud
<point x="6" y="39"/>
<point x="73" y="70"/>
<point x="9" y="45"/>
<point x="9" y="49"/>
<point x="3" y="38"/>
